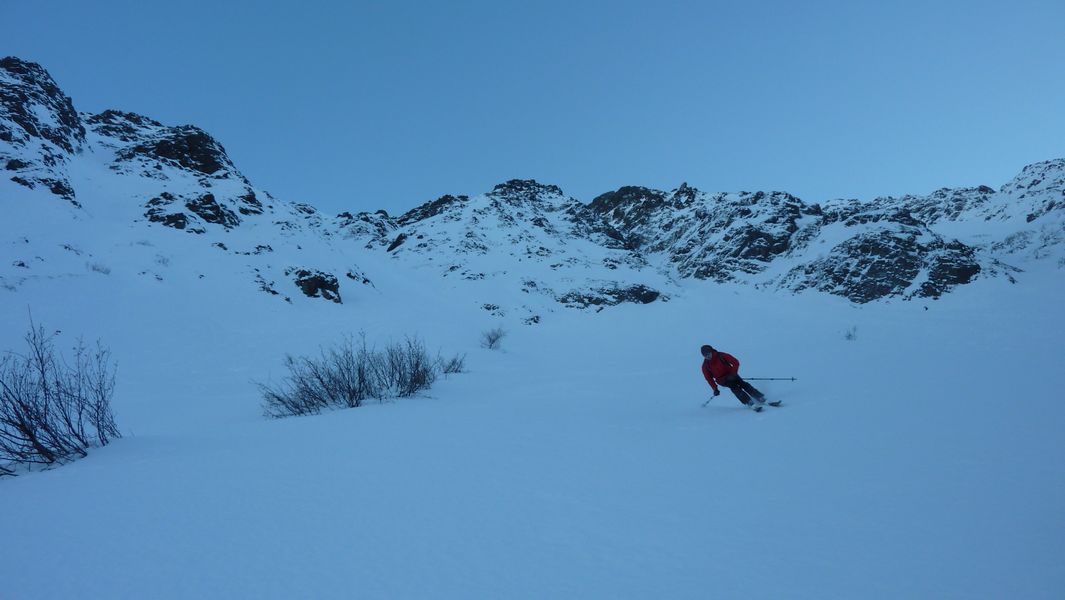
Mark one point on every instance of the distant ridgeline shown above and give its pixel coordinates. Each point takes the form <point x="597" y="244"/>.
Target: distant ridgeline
<point x="629" y="245"/>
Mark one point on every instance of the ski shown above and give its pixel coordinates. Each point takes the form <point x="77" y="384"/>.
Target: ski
<point x="756" y="408"/>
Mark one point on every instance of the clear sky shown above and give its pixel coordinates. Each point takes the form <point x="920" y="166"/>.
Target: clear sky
<point x="367" y="105"/>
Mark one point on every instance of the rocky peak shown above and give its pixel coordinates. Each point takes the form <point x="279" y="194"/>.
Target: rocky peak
<point x="39" y="129"/>
<point x="532" y="235"/>
<point x="950" y="204"/>
<point x="186" y="147"/>
<point x="32" y="105"/>
<point x="627" y="211"/>
<point x="196" y="185"/>
<point x="685" y="194"/>
<point x="626" y="199"/>
<point x="1041" y="177"/>
<point x="123" y="126"/>
<point x="441" y="205"/>
<point x="517" y="191"/>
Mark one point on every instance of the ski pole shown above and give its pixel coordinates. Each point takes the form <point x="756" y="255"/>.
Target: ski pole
<point x="770" y="378"/>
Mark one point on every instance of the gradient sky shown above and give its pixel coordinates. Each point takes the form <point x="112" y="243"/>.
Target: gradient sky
<point x="368" y="105"/>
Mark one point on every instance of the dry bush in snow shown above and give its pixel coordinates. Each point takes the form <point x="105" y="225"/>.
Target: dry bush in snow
<point x="51" y="410"/>
<point x="492" y="338"/>
<point x="455" y="364"/>
<point x="349" y="373"/>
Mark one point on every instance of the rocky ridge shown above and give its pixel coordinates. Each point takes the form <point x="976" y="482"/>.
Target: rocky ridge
<point x="39" y="129"/>
<point x="628" y="245"/>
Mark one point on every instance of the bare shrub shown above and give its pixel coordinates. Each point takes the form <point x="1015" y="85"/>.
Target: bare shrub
<point x="851" y="334"/>
<point x="51" y="410"/>
<point x="99" y="268"/>
<point x="347" y="374"/>
<point x="492" y="338"/>
<point x="403" y="369"/>
<point x="455" y="364"/>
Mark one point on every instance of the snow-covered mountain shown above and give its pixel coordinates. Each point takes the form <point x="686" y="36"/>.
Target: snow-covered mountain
<point x="531" y="248"/>
<point x="582" y="459"/>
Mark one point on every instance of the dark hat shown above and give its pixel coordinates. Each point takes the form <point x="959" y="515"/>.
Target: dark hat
<point x="705" y="348"/>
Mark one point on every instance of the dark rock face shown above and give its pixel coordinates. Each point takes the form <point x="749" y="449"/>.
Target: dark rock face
<point x="431" y="209"/>
<point x="204" y="209"/>
<point x="887" y="263"/>
<point x="208" y="209"/>
<point x="610" y="296"/>
<point x="250" y="204"/>
<point x="159" y="211"/>
<point x="524" y="190"/>
<point x="587" y="223"/>
<point x="186" y="147"/>
<point x="26" y="87"/>
<point x="316" y="284"/>
<point x="743" y="234"/>
<point x="947" y="204"/>
<point x="124" y="126"/>
<point x="716" y="237"/>
<point x="396" y="243"/>
<point x="359" y="276"/>
<point x="729" y="237"/>
<point x="630" y="207"/>
<point x="39" y="128"/>
<point x="865" y="268"/>
<point x="952" y="264"/>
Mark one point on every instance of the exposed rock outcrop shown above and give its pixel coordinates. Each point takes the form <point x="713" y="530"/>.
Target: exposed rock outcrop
<point x="316" y="284"/>
<point x="39" y="128"/>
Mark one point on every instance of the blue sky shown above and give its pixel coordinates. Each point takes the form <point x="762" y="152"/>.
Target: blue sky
<point x="367" y="105"/>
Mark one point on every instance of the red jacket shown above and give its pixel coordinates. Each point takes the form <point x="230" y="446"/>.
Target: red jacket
<point x="719" y="366"/>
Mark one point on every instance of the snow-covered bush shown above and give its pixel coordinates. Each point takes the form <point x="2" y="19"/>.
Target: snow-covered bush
<point x="52" y="410"/>
<point x="491" y="339"/>
<point x="347" y="374"/>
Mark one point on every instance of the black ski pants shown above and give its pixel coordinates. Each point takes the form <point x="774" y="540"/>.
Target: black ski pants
<point x="741" y="388"/>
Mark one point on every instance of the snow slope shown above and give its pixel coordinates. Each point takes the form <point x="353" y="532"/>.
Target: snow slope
<point x="919" y="460"/>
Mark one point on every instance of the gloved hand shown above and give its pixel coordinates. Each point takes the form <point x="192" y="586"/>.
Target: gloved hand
<point x="717" y="392"/>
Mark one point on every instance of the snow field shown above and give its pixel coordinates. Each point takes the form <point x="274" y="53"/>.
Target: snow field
<point x="918" y="460"/>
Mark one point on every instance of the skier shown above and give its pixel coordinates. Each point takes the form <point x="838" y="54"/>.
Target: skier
<point x="723" y="368"/>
